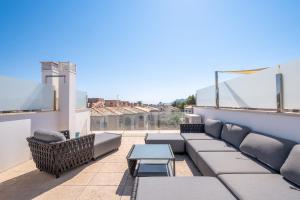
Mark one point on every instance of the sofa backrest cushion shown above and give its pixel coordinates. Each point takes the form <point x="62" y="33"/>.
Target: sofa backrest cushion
<point x="213" y="127"/>
<point x="291" y="167"/>
<point x="269" y="150"/>
<point x="234" y="134"/>
<point x="49" y="136"/>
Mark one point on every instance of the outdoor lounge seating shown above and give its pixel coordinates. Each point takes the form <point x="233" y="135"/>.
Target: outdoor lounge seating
<point x="230" y="163"/>
<point x="52" y="153"/>
<point x="175" y="140"/>
<point x="180" y="188"/>
<point x="250" y="165"/>
<point x="209" y="145"/>
<point x="196" y="136"/>
<point x="105" y="143"/>
<point x="260" y="186"/>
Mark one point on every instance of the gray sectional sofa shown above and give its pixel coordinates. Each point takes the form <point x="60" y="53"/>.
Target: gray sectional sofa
<point x="249" y="165"/>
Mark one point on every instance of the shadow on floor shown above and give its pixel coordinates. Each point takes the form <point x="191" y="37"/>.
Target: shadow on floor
<point x="126" y="181"/>
<point x="184" y="157"/>
<point x="33" y="184"/>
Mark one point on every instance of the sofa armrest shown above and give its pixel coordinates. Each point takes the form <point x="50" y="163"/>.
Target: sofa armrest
<point x="191" y="128"/>
<point x="72" y="153"/>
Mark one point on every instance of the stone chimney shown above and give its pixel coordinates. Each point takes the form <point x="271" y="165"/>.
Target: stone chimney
<point x="62" y="76"/>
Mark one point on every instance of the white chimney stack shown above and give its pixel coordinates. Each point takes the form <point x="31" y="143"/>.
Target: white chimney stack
<point x="62" y="76"/>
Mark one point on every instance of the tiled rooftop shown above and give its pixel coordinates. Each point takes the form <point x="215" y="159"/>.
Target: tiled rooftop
<point x="106" y="178"/>
<point x="105" y="111"/>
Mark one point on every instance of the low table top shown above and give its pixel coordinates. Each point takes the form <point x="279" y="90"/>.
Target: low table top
<point x="150" y="151"/>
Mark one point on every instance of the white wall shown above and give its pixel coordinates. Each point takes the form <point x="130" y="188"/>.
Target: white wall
<point x="278" y="124"/>
<point x="13" y="145"/>
<point x="15" y="128"/>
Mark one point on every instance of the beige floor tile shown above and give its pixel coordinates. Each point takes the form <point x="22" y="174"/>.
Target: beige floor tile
<point x="100" y="193"/>
<point x="123" y="150"/>
<point x="32" y="180"/>
<point x="112" y="158"/>
<point x="112" y="167"/>
<point x="25" y="167"/>
<point x="17" y="171"/>
<point x="80" y="179"/>
<point x="125" y="197"/>
<point x="109" y="179"/>
<point x="92" y="167"/>
<point x="62" y="192"/>
<point x="8" y="175"/>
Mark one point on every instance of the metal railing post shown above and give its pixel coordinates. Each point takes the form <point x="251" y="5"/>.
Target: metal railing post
<point x="217" y="88"/>
<point x="54" y="101"/>
<point x="279" y="92"/>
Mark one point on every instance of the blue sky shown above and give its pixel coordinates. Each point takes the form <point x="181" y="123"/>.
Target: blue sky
<point x="149" y="50"/>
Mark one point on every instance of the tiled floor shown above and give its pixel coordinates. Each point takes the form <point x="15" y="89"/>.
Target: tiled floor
<point x="105" y="179"/>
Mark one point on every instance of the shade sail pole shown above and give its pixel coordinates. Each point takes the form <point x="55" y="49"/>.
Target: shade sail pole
<point x="217" y="88"/>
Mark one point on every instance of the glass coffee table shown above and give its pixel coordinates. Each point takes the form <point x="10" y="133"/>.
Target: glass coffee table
<point x="151" y="160"/>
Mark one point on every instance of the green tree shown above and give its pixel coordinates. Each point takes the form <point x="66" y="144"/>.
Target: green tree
<point x="181" y="105"/>
<point x="191" y="100"/>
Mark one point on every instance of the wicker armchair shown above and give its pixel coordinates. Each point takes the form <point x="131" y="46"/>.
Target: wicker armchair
<point x="191" y="128"/>
<point x="56" y="158"/>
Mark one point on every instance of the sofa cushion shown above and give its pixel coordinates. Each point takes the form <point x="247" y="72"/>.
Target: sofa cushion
<point x="159" y="136"/>
<point x="291" y="167"/>
<point x="231" y="163"/>
<point x="175" y="140"/>
<point x="106" y="142"/>
<point x="210" y="145"/>
<point x="234" y="134"/>
<point x="48" y="136"/>
<point x="213" y="127"/>
<point x="196" y="159"/>
<point x="196" y="136"/>
<point x="103" y="137"/>
<point x="269" y="150"/>
<point x="179" y="188"/>
<point x="260" y="186"/>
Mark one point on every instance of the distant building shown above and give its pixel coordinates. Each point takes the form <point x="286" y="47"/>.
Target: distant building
<point x="117" y="103"/>
<point x="124" y="117"/>
<point x="112" y="103"/>
<point x="96" y="102"/>
<point x="101" y="103"/>
<point x="125" y="103"/>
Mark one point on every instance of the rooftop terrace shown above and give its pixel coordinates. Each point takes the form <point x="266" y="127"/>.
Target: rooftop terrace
<point x="106" y="178"/>
<point x="273" y="117"/>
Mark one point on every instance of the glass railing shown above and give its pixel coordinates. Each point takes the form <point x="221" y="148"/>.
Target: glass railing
<point x="81" y="99"/>
<point x="271" y="89"/>
<point x="24" y="95"/>
<point x="140" y="121"/>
